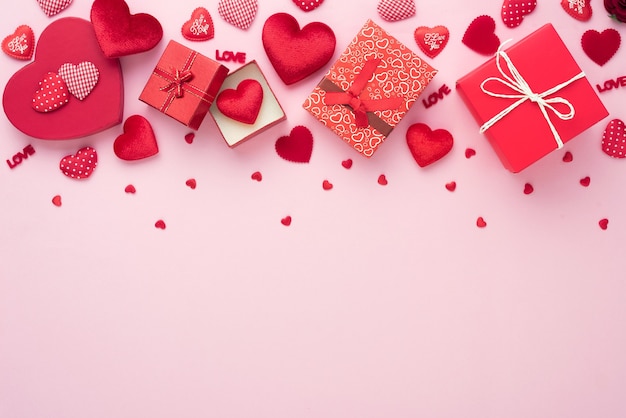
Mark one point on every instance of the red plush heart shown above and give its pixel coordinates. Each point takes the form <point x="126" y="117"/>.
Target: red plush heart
<point x="432" y="40"/>
<point x="80" y="165"/>
<point x="242" y="104"/>
<point x="297" y="146"/>
<point x="578" y="9"/>
<point x="600" y="47"/>
<point x="513" y="11"/>
<point x="119" y="33"/>
<point x="394" y="10"/>
<point x="426" y="145"/>
<point x="308" y="5"/>
<point x="52" y="94"/>
<point x="614" y="139"/>
<point x="137" y="141"/>
<point x="296" y="53"/>
<point x="199" y="27"/>
<point x="480" y="36"/>
<point x="53" y="7"/>
<point x="66" y="40"/>
<point x="21" y="44"/>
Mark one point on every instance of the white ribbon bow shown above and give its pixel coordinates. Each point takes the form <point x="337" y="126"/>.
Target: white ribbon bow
<point x="518" y="84"/>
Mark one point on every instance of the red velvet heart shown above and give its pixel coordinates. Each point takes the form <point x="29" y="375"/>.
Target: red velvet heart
<point x="137" y="141"/>
<point x="119" y="33"/>
<point x="242" y="104"/>
<point x="297" y="146"/>
<point x="21" y="44"/>
<point x="480" y="36"/>
<point x="296" y="53"/>
<point x="600" y="47"/>
<point x="428" y="146"/>
<point x="66" y="40"/>
<point x="431" y="40"/>
<point x="199" y="27"/>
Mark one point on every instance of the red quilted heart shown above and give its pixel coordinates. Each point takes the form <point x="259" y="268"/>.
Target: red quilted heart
<point x="238" y="13"/>
<point x="480" y="36"/>
<point x="578" y="9"/>
<point x="242" y="104"/>
<point x="600" y="47"/>
<point x="426" y="145"/>
<point x="513" y="11"/>
<point x="297" y="146"/>
<point x="53" y="7"/>
<point x="394" y="10"/>
<point x="78" y="119"/>
<point x="308" y="5"/>
<point x="21" y="44"/>
<point x="137" y="141"/>
<point x="614" y="139"/>
<point x="52" y="94"/>
<point x="432" y="40"/>
<point x="80" y="165"/>
<point x="119" y="33"/>
<point x="296" y="53"/>
<point x="199" y="27"/>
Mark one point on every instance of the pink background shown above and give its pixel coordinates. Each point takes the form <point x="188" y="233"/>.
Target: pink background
<point x="377" y="301"/>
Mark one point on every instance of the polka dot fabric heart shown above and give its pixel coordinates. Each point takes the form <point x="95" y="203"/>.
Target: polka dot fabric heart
<point x="614" y="139"/>
<point x="53" y="7"/>
<point x="80" y="165"/>
<point x="52" y="94"/>
<point x="308" y="5"/>
<point x="239" y="13"/>
<point x="80" y="79"/>
<point x="394" y="10"/>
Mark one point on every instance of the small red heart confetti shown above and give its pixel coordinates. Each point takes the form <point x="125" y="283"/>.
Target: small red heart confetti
<point x="347" y="164"/>
<point x="52" y="94"/>
<point x="80" y="165"/>
<point x="451" y="186"/>
<point x="394" y="10"/>
<point x="382" y="180"/>
<point x="191" y="183"/>
<point x="469" y="153"/>
<point x="243" y="103"/>
<point x="568" y="157"/>
<point x="56" y="201"/>
<point x="327" y="185"/>
<point x="137" y="141"/>
<point x="426" y="145"/>
<point x="601" y="46"/>
<point x="199" y="27"/>
<point x="513" y="11"/>
<point x="528" y="188"/>
<point x="53" y="7"/>
<point x="239" y="13"/>
<point x="160" y="224"/>
<point x="480" y="36"/>
<point x="130" y="189"/>
<point x="604" y="223"/>
<point x="296" y="147"/>
<point x="21" y="44"/>
<point x="257" y="176"/>
<point x="286" y="220"/>
<point x="614" y="139"/>
<point x="80" y="79"/>
<point x="480" y="222"/>
<point x="585" y="181"/>
<point x="578" y="9"/>
<point x="189" y="137"/>
<point x="308" y="5"/>
<point x="431" y="40"/>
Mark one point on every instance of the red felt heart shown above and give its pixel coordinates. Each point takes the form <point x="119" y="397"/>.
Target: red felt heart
<point x="242" y="104"/>
<point x="513" y="11"/>
<point x="614" y="139"/>
<point x="119" y="33"/>
<point x="80" y="165"/>
<point x="394" y="10"/>
<point x="431" y="40"/>
<point x="308" y="5"/>
<point x="297" y="146"/>
<point x="53" y="7"/>
<point x="66" y="40"/>
<point x="199" y="27"/>
<point x="296" y="53"/>
<point x="426" y="145"/>
<point x="21" y="44"/>
<point x="52" y="94"/>
<point x="137" y="141"/>
<point x="601" y="46"/>
<point x="578" y="9"/>
<point x="480" y="36"/>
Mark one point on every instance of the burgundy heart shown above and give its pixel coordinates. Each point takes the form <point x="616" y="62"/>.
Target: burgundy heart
<point x="137" y="141"/>
<point x="297" y="146"/>
<point x="480" y="36"/>
<point x="242" y="104"/>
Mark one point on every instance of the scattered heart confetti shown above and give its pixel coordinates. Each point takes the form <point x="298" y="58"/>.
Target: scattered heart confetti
<point x="21" y="44"/>
<point x="604" y="223"/>
<point x="199" y="27"/>
<point x="239" y="13"/>
<point x="296" y="147"/>
<point x="243" y="103"/>
<point x="52" y="94"/>
<point x="137" y="141"/>
<point x="578" y="9"/>
<point x="528" y="188"/>
<point x="585" y="181"/>
<point x="80" y="79"/>
<point x="382" y="180"/>
<point x="513" y="11"/>
<point x="601" y="46"/>
<point x="394" y="10"/>
<point x="130" y="189"/>
<point x="469" y="153"/>
<point x="568" y="157"/>
<point x="80" y="165"/>
<point x="286" y="220"/>
<point x="480" y="222"/>
<point x="431" y="40"/>
<point x="53" y="7"/>
<point x="257" y="176"/>
<point x="189" y="137"/>
<point x="614" y="139"/>
<point x="347" y="164"/>
<point x="327" y="185"/>
<point x="426" y="145"/>
<point x="308" y="5"/>
<point x="56" y="201"/>
<point x="191" y="183"/>
<point x="160" y="224"/>
<point x="451" y="186"/>
<point x="480" y="36"/>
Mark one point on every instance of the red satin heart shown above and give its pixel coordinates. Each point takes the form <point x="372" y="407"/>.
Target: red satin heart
<point x="77" y="119"/>
<point x="242" y="104"/>
<point x="199" y="27"/>
<point x="426" y="145"/>
<point x="119" y="33"/>
<point x="21" y="44"/>
<point x="480" y="36"/>
<point x="296" y="53"/>
<point x="601" y="46"/>
<point x="137" y="141"/>
<point x="431" y="40"/>
<point x="297" y="146"/>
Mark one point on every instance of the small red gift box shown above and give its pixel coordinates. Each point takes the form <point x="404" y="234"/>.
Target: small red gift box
<point x="531" y="99"/>
<point x="369" y="89"/>
<point x="184" y="84"/>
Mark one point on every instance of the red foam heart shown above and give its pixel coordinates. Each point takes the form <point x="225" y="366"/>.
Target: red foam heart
<point x="21" y="44"/>
<point x="80" y="165"/>
<point x="52" y="94"/>
<point x="426" y="145"/>
<point x="199" y="27"/>
<point x="66" y="40"/>
<point x="394" y="10"/>
<point x="480" y="36"/>
<point x="137" y="141"/>
<point x="601" y="46"/>
<point x="327" y="185"/>
<point x="603" y="223"/>
<point x="243" y="103"/>
<point x="382" y="180"/>
<point x="513" y="11"/>
<point x="431" y="40"/>
<point x="308" y="5"/>
<point x="239" y="13"/>
<point x="578" y="9"/>
<point x="296" y="53"/>
<point x="53" y="7"/>
<point x="119" y="33"/>
<point x="297" y="146"/>
<point x="451" y="186"/>
<point x="480" y="222"/>
<point x="286" y="220"/>
<point x="614" y="139"/>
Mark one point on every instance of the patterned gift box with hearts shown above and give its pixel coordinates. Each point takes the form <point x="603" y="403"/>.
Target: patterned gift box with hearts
<point x="369" y="89"/>
<point x="531" y="98"/>
<point x="184" y="84"/>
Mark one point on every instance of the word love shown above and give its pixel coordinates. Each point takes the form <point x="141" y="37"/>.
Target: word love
<point x="435" y="97"/>
<point x="21" y="156"/>
<point x="231" y="56"/>
<point x="611" y="84"/>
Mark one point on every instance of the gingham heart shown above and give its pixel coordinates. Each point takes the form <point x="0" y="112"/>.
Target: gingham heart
<point x="80" y="165"/>
<point x="238" y="13"/>
<point x="21" y="44"/>
<point x="578" y="9"/>
<point x="80" y="79"/>
<point x="394" y="10"/>
<point x="614" y="139"/>
<point x="52" y="94"/>
<point x="53" y="7"/>
<point x="513" y="11"/>
<point x="308" y="5"/>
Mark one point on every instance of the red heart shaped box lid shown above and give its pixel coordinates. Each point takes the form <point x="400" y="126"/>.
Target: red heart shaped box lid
<point x="66" y="40"/>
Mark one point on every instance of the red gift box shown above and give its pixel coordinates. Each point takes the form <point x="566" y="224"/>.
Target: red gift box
<point x="369" y="89"/>
<point x="531" y="99"/>
<point x="184" y="84"/>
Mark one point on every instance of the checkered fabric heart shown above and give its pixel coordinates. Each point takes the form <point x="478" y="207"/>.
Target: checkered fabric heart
<point x="239" y="13"/>
<point x="52" y="7"/>
<point x="394" y="10"/>
<point x="80" y="79"/>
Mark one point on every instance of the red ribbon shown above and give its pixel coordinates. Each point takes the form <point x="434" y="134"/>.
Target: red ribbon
<point x="352" y="97"/>
<point x="176" y="83"/>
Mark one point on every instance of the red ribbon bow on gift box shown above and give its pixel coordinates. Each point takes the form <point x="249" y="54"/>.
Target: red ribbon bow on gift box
<point x="176" y="84"/>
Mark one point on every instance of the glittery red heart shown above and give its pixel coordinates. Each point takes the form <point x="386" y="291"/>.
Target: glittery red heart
<point x="601" y="46"/>
<point x="297" y="146"/>
<point x="513" y="11"/>
<point x="21" y="44"/>
<point x="431" y="40"/>
<point x="199" y="27"/>
<point x="578" y="9"/>
<point x="80" y="165"/>
<point x="243" y="103"/>
<point x="308" y="5"/>
<point x="426" y="145"/>
<point x="296" y="53"/>
<point x="137" y="141"/>
<point x="614" y="139"/>
<point x="480" y="36"/>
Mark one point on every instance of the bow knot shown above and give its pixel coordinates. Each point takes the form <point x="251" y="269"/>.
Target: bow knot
<point x="176" y="84"/>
